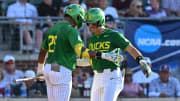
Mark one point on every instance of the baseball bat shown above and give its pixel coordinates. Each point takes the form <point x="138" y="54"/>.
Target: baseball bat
<point x="41" y="78"/>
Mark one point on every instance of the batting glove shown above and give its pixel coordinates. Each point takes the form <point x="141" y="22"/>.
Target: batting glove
<point x="40" y="69"/>
<point x="112" y="56"/>
<point x="145" y="67"/>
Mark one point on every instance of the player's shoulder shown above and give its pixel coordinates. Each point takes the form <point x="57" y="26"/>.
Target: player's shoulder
<point x="31" y="6"/>
<point x="72" y="30"/>
<point x="173" y="79"/>
<point x="113" y="32"/>
<point x="12" y="6"/>
<point x="56" y="27"/>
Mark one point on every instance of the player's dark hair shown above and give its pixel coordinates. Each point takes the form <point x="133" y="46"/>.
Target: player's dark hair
<point x="69" y="18"/>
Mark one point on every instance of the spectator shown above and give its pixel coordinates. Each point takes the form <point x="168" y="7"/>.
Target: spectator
<point x="110" y="23"/>
<point x="91" y="3"/>
<point x="11" y="73"/>
<point x="135" y="9"/>
<point x="176" y="72"/>
<point x="23" y="9"/>
<point x="108" y="10"/>
<point x="78" y="2"/>
<point x="78" y="80"/>
<point x="48" y="8"/>
<point x="139" y="77"/>
<point x="34" y="89"/>
<point x="165" y="85"/>
<point x="121" y="6"/>
<point x="131" y="89"/>
<point x="173" y="6"/>
<point x="2" y="84"/>
<point x="156" y="11"/>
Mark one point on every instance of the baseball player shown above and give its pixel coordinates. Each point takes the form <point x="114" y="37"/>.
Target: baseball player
<point x="62" y="43"/>
<point x="108" y="79"/>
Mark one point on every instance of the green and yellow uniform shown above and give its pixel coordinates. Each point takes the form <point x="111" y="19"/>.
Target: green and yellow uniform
<point x="106" y="42"/>
<point x="60" y="42"/>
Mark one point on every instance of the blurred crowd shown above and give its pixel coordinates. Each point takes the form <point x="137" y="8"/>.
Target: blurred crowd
<point x="162" y="83"/>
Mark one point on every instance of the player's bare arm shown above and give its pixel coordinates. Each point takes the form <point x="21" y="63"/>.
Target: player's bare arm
<point x="139" y="58"/>
<point x="41" y="61"/>
<point x="42" y="56"/>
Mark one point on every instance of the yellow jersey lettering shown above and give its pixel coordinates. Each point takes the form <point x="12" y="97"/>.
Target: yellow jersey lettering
<point x="107" y="45"/>
<point x="52" y="43"/>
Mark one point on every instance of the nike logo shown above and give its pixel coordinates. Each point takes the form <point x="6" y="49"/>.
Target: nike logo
<point x="106" y="35"/>
<point x="112" y="78"/>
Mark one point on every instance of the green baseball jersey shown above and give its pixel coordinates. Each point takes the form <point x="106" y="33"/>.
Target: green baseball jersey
<point x="106" y="42"/>
<point x="60" y="41"/>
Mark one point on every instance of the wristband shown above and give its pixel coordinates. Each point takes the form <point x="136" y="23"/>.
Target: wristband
<point x="98" y="55"/>
<point x="138" y="58"/>
<point x="40" y="66"/>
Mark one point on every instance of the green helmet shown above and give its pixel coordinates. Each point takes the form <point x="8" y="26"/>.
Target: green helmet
<point x="95" y="15"/>
<point x="77" y="13"/>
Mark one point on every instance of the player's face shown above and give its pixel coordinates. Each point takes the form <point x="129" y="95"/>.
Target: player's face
<point x="93" y="27"/>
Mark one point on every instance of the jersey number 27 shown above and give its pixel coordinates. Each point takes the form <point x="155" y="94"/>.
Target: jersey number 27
<point x="52" y="43"/>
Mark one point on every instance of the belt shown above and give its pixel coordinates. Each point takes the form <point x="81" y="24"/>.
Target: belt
<point x="109" y="69"/>
<point x="55" y="67"/>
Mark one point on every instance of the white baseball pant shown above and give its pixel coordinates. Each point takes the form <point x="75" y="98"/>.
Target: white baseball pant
<point x="107" y="85"/>
<point x="59" y="84"/>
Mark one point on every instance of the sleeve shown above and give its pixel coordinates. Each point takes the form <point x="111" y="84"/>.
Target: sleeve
<point x="10" y="12"/>
<point x="45" y="42"/>
<point x="152" y="89"/>
<point x="35" y="12"/>
<point x="120" y="41"/>
<point x="74" y="38"/>
<point x="177" y="84"/>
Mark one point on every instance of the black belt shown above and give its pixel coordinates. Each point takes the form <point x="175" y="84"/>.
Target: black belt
<point x="55" y="67"/>
<point x="101" y="71"/>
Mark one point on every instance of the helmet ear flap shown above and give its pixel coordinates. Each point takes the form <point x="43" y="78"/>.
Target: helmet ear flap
<point x="101" y="22"/>
<point x="80" y="20"/>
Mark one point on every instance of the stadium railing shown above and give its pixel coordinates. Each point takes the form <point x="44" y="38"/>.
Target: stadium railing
<point x="11" y="32"/>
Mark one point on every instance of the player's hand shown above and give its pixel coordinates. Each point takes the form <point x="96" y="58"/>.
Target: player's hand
<point x="112" y="56"/>
<point x="40" y="70"/>
<point x="145" y="67"/>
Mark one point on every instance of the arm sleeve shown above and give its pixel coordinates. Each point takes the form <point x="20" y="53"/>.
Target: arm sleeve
<point x="120" y="41"/>
<point x="10" y="12"/>
<point x="35" y="12"/>
<point x="77" y="43"/>
<point x="152" y="89"/>
<point x="84" y="54"/>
